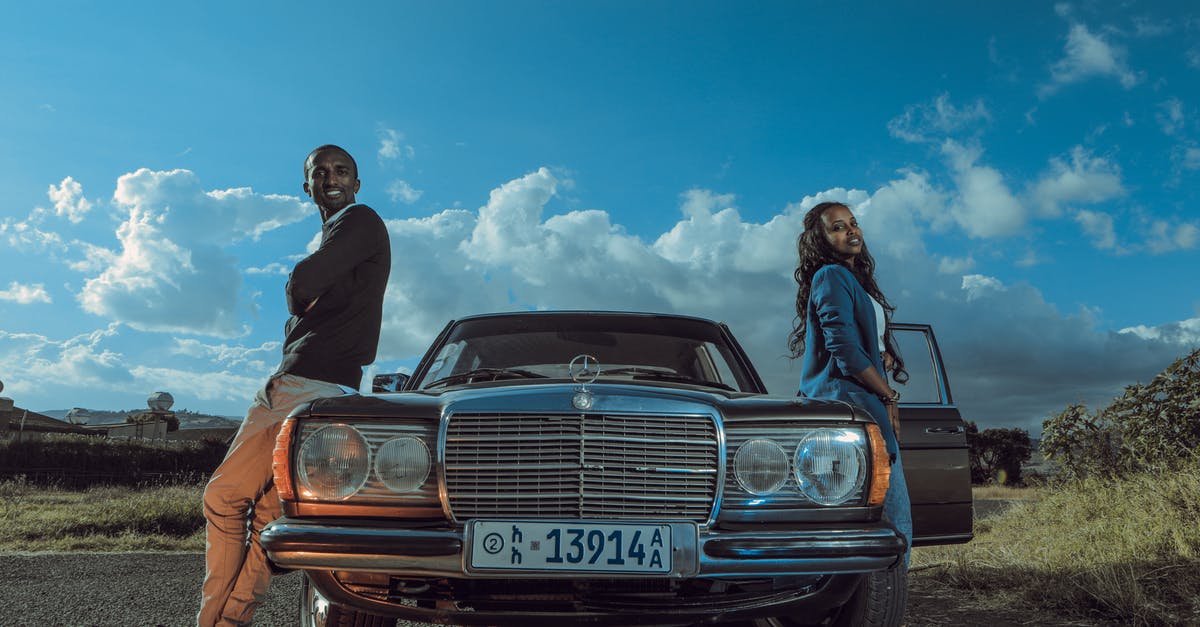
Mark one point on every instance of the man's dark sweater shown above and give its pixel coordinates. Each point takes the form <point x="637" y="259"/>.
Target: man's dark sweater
<point x="347" y="275"/>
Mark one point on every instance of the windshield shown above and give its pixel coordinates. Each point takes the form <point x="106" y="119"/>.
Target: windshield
<point x="628" y="348"/>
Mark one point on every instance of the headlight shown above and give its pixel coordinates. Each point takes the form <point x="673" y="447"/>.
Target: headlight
<point x="830" y="465"/>
<point x="402" y="464"/>
<point x="333" y="463"/>
<point x="761" y="466"/>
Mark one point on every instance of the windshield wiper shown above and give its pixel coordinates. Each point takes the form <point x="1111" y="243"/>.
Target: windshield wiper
<point x="640" y="373"/>
<point x="489" y="374"/>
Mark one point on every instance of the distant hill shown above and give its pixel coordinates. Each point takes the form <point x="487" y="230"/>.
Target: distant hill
<point x="187" y="419"/>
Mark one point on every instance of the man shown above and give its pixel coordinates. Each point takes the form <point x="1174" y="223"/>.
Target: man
<point x="335" y="296"/>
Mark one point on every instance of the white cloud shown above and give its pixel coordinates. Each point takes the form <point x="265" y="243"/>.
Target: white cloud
<point x="1193" y="57"/>
<point x="985" y="207"/>
<point x="977" y="286"/>
<point x="933" y="121"/>
<point x="1170" y="116"/>
<point x="1185" y="333"/>
<point x="172" y="271"/>
<point x="401" y="191"/>
<point x="203" y="385"/>
<point x="1191" y="158"/>
<point x="273" y="268"/>
<point x="39" y="364"/>
<point x="69" y="201"/>
<point x="1149" y="27"/>
<point x="27" y="236"/>
<point x="1099" y="228"/>
<point x="25" y="294"/>
<point x="261" y="358"/>
<point x="1085" y="179"/>
<point x="1088" y="55"/>
<point x="1168" y="236"/>
<point x="955" y="265"/>
<point x="392" y="146"/>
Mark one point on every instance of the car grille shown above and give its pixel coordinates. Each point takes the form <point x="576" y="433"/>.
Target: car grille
<point x="593" y="466"/>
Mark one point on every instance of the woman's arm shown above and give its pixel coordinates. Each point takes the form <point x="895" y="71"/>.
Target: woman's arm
<point x="873" y="381"/>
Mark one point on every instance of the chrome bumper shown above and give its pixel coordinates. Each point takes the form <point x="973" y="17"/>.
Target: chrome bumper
<point x="317" y="544"/>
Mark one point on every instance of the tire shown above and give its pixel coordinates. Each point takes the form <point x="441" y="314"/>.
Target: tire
<point x="317" y="611"/>
<point x="879" y="601"/>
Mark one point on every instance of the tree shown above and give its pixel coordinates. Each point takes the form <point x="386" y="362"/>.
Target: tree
<point x="996" y="455"/>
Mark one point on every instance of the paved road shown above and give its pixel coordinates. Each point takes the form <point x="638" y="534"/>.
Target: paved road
<point x="119" y="589"/>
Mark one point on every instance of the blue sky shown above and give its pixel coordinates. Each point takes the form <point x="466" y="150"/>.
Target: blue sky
<point x="1026" y="175"/>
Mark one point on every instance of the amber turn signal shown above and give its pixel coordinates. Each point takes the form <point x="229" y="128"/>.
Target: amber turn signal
<point x="281" y="461"/>
<point x="881" y="469"/>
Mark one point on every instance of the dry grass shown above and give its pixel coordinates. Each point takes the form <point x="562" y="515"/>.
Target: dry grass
<point x="1125" y="552"/>
<point x="36" y="518"/>
<point x="1003" y="492"/>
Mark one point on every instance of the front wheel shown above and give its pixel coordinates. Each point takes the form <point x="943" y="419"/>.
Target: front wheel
<point x="879" y="600"/>
<point x="317" y="611"/>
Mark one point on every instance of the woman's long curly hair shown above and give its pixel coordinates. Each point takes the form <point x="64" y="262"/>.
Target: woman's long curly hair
<point x="815" y="253"/>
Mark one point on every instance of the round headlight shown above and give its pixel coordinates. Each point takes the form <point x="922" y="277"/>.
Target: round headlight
<point x="760" y="466"/>
<point x="831" y="465"/>
<point x="333" y="463"/>
<point x="402" y="464"/>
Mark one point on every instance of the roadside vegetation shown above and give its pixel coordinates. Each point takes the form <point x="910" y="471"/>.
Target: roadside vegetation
<point x="35" y="517"/>
<point x="1111" y="536"/>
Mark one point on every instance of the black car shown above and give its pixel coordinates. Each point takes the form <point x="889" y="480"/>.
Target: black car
<point x="617" y="468"/>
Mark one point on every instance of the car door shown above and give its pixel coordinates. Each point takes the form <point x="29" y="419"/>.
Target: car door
<point x="933" y="442"/>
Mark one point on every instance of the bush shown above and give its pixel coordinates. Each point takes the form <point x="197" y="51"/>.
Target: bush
<point x="1153" y="427"/>
<point x="79" y="461"/>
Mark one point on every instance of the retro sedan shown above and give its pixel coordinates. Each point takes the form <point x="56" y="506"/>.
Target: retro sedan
<point x="605" y="468"/>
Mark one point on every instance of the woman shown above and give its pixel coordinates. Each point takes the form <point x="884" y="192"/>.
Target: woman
<point x="841" y="330"/>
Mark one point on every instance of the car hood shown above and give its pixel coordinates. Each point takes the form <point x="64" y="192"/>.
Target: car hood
<point x="556" y="398"/>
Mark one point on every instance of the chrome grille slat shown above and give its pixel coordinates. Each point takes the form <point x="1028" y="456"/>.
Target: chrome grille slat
<point x="581" y="466"/>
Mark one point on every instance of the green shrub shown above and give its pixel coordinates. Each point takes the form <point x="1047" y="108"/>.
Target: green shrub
<point x="1153" y="427"/>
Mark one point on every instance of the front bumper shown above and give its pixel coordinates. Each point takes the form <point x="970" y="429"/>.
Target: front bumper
<point x="721" y="575"/>
<point x="440" y="552"/>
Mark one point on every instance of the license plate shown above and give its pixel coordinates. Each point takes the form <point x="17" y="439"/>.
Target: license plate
<point x="571" y="546"/>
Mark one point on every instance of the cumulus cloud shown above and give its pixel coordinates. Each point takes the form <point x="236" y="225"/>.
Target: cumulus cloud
<point x="1191" y="158"/>
<point x="69" y="201"/>
<point x="203" y="385"/>
<point x="1089" y="55"/>
<point x="1164" y="236"/>
<point x="172" y="271"/>
<point x="985" y="207"/>
<point x="928" y="122"/>
<point x="258" y="358"/>
<point x="517" y="252"/>
<point x="39" y="363"/>
<point x="392" y="146"/>
<point x="1085" y="178"/>
<point x="1099" y="228"/>
<point x="955" y="265"/>
<point x="401" y="191"/>
<point x="1170" y="116"/>
<point x="25" y="294"/>
<point x="1185" y="333"/>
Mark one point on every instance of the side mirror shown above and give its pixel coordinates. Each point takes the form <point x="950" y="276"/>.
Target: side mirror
<point x="391" y="382"/>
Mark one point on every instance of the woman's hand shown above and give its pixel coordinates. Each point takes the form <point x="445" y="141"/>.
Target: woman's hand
<point x="888" y="363"/>
<point x="893" y="412"/>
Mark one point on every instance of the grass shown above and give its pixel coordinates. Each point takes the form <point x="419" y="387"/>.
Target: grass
<point x="1121" y="551"/>
<point x="36" y="518"/>
<point x="1125" y="552"/>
